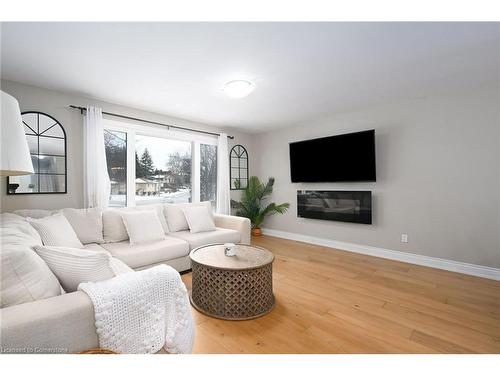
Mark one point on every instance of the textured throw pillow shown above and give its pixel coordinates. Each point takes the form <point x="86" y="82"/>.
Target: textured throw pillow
<point x="199" y="219"/>
<point x="143" y="226"/>
<point x="55" y="230"/>
<point x="176" y="219"/>
<point x="24" y="276"/>
<point x="74" y="266"/>
<point x="87" y="223"/>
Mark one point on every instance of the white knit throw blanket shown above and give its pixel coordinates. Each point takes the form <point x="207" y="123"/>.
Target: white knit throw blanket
<point x="139" y="312"/>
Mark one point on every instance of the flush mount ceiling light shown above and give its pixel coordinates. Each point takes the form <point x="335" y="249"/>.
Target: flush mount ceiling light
<point x="238" y="88"/>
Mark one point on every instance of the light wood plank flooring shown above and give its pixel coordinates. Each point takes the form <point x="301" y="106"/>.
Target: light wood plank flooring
<point x="332" y="301"/>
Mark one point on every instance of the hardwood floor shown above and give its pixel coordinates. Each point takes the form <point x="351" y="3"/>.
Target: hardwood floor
<point x="332" y="301"/>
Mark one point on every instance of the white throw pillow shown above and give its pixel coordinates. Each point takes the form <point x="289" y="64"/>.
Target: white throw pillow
<point x="55" y="230"/>
<point x="113" y="227"/>
<point x="87" y="223"/>
<point x="176" y="219"/>
<point x="199" y="219"/>
<point x="74" y="266"/>
<point x="159" y="211"/>
<point x="143" y="226"/>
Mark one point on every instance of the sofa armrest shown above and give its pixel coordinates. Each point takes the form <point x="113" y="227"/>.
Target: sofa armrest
<point x="62" y="324"/>
<point x="241" y="224"/>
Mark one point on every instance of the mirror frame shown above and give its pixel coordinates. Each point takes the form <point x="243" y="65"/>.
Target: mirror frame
<point x="65" y="159"/>
<point x="239" y="156"/>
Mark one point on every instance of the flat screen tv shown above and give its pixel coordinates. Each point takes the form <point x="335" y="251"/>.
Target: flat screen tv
<point x="345" y="157"/>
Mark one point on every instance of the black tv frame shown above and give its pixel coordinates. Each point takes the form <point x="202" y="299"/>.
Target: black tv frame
<point x="331" y="180"/>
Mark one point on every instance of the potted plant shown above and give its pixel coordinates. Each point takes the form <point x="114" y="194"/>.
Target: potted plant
<point x="252" y="203"/>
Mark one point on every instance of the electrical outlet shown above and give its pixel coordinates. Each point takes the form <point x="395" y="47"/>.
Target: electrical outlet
<point x="404" y="238"/>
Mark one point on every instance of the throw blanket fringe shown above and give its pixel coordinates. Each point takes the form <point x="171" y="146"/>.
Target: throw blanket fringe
<point x="139" y="312"/>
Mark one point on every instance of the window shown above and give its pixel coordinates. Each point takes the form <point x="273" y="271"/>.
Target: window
<point x="115" y="143"/>
<point x="208" y="173"/>
<point x="149" y="165"/>
<point x="239" y="167"/>
<point x="162" y="170"/>
<point x="47" y="144"/>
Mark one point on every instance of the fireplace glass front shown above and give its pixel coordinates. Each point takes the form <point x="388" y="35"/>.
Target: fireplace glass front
<point x="349" y="206"/>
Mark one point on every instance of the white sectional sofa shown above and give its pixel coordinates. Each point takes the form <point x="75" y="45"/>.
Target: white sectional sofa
<point x="45" y="319"/>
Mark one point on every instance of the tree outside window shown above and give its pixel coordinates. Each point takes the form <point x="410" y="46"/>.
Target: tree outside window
<point x="208" y="173"/>
<point x="163" y="170"/>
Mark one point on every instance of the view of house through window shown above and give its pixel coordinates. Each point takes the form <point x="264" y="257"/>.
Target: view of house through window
<point x="116" y="158"/>
<point x="162" y="170"/>
<point x="167" y="170"/>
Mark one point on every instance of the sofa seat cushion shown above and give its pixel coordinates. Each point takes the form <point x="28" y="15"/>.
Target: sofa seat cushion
<point x="144" y="254"/>
<point x="219" y="235"/>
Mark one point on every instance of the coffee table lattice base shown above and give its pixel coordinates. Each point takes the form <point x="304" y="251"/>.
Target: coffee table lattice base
<point x="232" y="294"/>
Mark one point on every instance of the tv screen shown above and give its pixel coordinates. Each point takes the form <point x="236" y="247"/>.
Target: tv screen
<point x="346" y="157"/>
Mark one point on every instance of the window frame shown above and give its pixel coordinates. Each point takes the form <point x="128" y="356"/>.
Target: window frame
<point x="132" y="129"/>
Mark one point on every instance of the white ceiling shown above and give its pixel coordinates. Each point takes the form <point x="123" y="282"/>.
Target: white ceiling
<point x="302" y="71"/>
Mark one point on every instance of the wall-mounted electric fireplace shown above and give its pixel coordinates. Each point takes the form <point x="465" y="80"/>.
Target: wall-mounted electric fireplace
<point x="350" y="206"/>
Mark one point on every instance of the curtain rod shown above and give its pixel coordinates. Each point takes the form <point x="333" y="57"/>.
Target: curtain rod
<point x="81" y="109"/>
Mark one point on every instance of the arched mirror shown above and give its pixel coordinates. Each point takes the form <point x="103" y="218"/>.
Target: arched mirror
<point x="47" y="144"/>
<point x="239" y="167"/>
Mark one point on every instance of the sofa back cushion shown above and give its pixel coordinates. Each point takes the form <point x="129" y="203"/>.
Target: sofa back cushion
<point x="87" y="224"/>
<point x="8" y="220"/>
<point x="34" y="213"/>
<point x="55" y="230"/>
<point x="25" y="277"/>
<point x="113" y="228"/>
<point x="176" y="219"/>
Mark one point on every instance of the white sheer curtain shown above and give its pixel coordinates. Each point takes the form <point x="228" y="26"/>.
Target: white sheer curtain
<point x="96" y="180"/>
<point x="223" y="189"/>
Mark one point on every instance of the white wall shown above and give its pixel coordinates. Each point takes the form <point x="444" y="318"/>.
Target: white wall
<point x="438" y="170"/>
<point x="56" y="104"/>
<point x="438" y="177"/>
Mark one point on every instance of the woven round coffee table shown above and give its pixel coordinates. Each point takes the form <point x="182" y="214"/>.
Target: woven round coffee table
<point x="232" y="288"/>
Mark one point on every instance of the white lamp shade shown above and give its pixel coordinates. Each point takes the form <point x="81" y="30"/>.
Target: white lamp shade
<point x="15" y="154"/>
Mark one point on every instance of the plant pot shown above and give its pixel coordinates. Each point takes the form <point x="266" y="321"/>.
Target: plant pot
<point x="256" y="232"/>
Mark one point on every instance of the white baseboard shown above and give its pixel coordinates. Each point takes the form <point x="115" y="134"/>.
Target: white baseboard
<point x="422" y="260"/>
